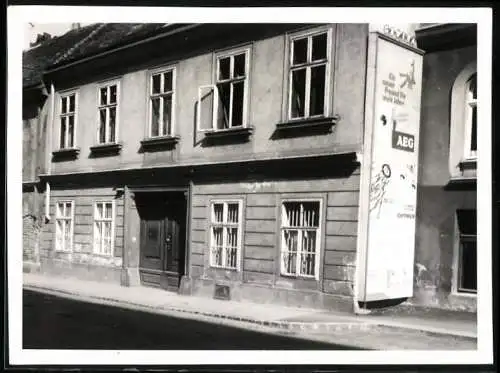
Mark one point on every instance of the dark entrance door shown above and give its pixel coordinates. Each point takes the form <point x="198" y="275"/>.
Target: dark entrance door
<point x="163" y="238"/>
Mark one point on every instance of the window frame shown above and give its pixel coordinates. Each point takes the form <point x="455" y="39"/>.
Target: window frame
<point x="289" y="68"/>
<point x="217" y="56"/>
<point x="456" y="290"/>
<point x="67" y="94"/>
<point x="71" y="218"/>
<point x="211" y="223"/>
<point x="161" y="70"/>
<point x="107" y="84"/>
<point x="319" y="239"/>
<point x="94" y="228"/>
<point x="469" y="103"/>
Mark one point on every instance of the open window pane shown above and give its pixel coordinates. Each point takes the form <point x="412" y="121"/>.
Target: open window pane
<point x="317" y="96"/>
<point x="299" y="51"/>
<point x="155" y="116"/>
<point x="472" y="84"/>
<point x="205" y="108"/>
<point x="224" y="68"/>
<point x="167" y="81"/>
<point x="224" y="102"/>
<point x="112" y="124"/>
<point x="238" y="97"/>
<point x="102" y="126"/>
<point x="319" y="47"/>
<point x="298" y="94"/>
<point x="167" y="114"/>
<point x="239" y="65"/>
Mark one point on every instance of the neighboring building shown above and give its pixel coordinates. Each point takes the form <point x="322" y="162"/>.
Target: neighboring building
<point x="214" y="159"/>
<point x="446" y="222"/>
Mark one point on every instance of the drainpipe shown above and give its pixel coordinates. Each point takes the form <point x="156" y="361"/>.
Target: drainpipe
<point x="49" y="149"/>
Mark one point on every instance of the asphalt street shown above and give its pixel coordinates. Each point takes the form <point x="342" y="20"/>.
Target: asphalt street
<point x="51" y="322"/>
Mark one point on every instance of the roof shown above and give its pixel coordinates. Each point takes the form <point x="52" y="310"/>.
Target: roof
<point x="80" y="43"/>
<point x="37" y="59"/>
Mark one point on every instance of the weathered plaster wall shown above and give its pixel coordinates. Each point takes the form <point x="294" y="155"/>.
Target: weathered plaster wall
<point x="266" y="92"/>
<point x="436" y="208"/>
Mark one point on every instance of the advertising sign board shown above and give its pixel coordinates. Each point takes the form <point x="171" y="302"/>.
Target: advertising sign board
<point x="390" y="233"/>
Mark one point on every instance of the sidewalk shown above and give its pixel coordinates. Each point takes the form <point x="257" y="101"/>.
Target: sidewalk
<point x="298" y="320"/>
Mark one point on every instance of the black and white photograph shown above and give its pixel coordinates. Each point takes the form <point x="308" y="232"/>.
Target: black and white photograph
<point x="254" y="186"/>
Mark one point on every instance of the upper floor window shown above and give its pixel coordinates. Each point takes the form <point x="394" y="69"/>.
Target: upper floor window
<point x="108" y="112"/>
<point x="471" y="117"/>
<point x="308" y="88"/>
<point x="300" y="238"/>
<point x="67" y="120"/>
<point x="223" y="106"/>
<point x="161" y="103"/>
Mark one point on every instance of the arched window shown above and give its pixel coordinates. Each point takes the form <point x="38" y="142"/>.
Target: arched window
<point x="471" y="118"/>
<point x="463" y="123"/>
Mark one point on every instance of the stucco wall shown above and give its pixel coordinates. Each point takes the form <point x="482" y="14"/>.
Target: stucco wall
<point x="266" y="90"/>
<point x="436" y="235"/>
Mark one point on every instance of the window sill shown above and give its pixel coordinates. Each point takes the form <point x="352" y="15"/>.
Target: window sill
<point x="66" y="153"/>
<point x="305" y="127"/>
<point x="299" y="277"/>
<point x="106" y="149"/>
<point x="238" y="134"/>
<point x="159" y="143"/>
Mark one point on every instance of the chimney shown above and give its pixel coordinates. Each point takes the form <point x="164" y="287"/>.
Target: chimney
<point x="75" y="26"/>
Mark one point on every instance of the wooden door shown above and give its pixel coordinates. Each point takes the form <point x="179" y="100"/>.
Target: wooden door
<point x="162" y="241"/>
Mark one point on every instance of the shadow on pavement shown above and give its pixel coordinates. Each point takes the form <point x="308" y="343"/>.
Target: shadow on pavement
<point x="51" y="322"/>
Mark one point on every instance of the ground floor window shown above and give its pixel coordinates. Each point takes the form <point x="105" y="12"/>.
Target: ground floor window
<point x="300" y="238"/>
<point x="64" y="225"/>
<point x="104" y="227"/>
<point x="467" y="252"/>
<point x="225" y="234"/>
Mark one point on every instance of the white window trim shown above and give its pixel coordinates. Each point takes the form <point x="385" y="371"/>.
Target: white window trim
<point x="240" y="233"/>
<point x="113" y="222"/>
<point x="468" y="104"/>
<point x="109" y="83"/>
<point x="75" y="116"/>
<point x="319" y="239"/>
<point x="458" y="114"/>
<point x="72" y="226"/>
<point x="329" y="60"/>
<point x="246" y="83"/>
<point x="156" y="71"/>
<point x="456" y="265"/>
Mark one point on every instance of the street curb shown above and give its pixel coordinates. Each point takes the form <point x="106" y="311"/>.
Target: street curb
<point x="290" y="326"/>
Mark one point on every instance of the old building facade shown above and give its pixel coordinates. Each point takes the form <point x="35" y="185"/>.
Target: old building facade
<point x="212" y="159"/>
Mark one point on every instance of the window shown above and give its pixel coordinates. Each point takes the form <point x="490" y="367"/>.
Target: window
<point x="108" y="106"/>
<point x="225" y="234"/>
<point x="104" y="213"/>
<point x="64" y="226"/>
<point x="67" y="121"/>
<point x="300" y="238"/>
<point x="161" y="103"/>
<point x="471" y="117"/>
<point x="308" y="75"/>
<point x="223" y="106"/>
<point x="467" y="252"/>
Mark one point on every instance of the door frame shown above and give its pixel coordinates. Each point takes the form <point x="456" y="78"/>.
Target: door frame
<point x="187" y="192"/>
